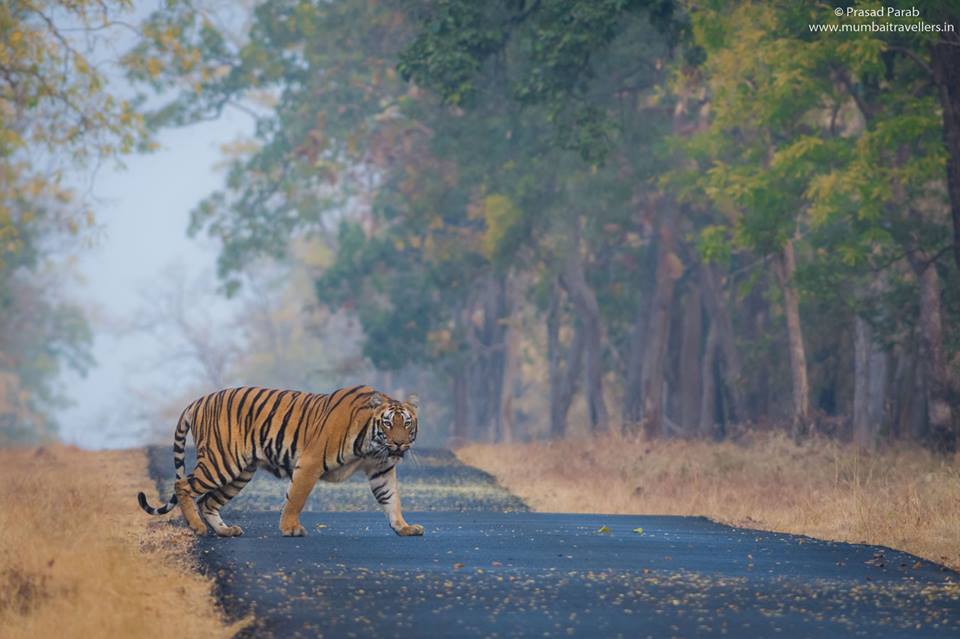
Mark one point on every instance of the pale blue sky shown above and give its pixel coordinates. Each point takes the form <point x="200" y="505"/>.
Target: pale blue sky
<point x="144" y="211"/>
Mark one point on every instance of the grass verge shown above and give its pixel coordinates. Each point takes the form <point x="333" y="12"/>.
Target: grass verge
<point x="907" y="499"/>
<point x="78" y="558"/>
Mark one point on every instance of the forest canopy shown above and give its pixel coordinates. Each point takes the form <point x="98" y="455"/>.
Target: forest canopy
<point x="570" y="216"/>
<point x="681" y="218"/>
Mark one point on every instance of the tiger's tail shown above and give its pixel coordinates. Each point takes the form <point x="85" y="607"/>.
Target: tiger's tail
<point x="179" y="446"/>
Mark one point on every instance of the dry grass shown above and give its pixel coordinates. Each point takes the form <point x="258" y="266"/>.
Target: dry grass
<point x="78" y="558"/>
<point x="906" y="499"/>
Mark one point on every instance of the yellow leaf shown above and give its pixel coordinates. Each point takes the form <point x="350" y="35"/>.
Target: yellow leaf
<point x="154" y="67"/>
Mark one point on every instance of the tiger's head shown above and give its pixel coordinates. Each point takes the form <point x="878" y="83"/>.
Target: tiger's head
<point x="394" y="426"/>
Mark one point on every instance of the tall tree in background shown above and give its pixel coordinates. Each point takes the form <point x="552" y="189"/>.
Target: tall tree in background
<point x="842" y="157"/>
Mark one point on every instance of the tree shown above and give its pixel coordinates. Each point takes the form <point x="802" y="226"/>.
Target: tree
<point x="57" y="118"/>
<point x="832" y="139"/>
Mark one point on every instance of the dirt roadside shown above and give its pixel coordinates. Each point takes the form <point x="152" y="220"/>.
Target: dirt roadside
<point x="78" y="558"/>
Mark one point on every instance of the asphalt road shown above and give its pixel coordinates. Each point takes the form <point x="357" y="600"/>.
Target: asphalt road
<point x="486" y="568"/>
<point x="479" y="574"/>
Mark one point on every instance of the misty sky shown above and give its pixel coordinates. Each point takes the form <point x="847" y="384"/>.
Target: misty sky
<point x="144" y="211"/>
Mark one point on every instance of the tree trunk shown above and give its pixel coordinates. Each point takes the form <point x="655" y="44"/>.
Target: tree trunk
<point x="877" y="388"/>
<point x="585" y="301"/>
<point x="554" y="358"/>
<point x="633" y="392"/>
<point x="563" y="377"/>
<point x="907" y="415"/>
<point x="945" y="63"/>
<point x="786" y="267"/>
<point x="460" y="425"/>
<point x="489" y="334"/>
<point x="720" y="318"/>
<point x="669" y="270"/>
<point x="511" y="355"/>
<point x="690" y="368"/>
<point x="862" y="429"/>
<point x="869" y="389"/>
<point x="708" y="392"/>
<point x="931" y="355"/>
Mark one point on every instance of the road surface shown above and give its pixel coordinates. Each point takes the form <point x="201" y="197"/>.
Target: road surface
<point x="482" y="572"/>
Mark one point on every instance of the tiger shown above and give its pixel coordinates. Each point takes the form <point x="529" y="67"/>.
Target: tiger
<point x="293" y="434"/>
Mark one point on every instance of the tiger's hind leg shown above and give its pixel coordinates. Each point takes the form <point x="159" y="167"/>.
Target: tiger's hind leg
<point x="212" y="502"/>
<point x="185" y="492"/>
<point x="205" y="478"/>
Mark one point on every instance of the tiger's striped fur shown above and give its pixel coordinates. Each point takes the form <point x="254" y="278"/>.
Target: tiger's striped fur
<point x="303" y="436"/>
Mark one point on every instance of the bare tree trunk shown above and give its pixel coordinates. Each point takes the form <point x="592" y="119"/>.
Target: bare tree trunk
<point x="908" y="414"/>
<point x="511" y="355"/>
<point x="945" y="63"/>
<point x="786" y="267"/>
<point x="554" y="359"/>
<point x="585" y="301"/>
<point x="488" y="332"/>
<point x="931" y="355"/>
<point x="877" y="388"/>
<point x="632" y="393"/>
<point x="759" y="394"/>
<point x="898" y="398"/>
<point x="569" y="384"/>
<point x="720" y="318"/>
<point x="690" y="368"/>
<point x="460" y="409"/>
<point x="669" y="270"/>
<point x="862" y="431"/>
<point x="563" y="378"/>
<point x="708" y="392"/>
<point x="870" y="384"/>
<point x="917" y="417"/>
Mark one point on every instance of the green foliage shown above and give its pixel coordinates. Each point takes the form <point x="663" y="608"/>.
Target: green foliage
<point x="546" y="50"/>
<point x="533" y="128"/>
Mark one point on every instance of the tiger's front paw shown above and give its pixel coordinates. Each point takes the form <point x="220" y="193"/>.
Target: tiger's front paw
<point x="293" y="530"/>
<point x="409" y="530"/>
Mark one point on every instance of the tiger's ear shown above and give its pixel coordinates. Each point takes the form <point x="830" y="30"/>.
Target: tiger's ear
<point x="413" y="400"/>
<point x="375" y="400"/>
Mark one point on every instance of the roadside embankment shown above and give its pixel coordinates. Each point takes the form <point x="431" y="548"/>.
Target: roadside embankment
<point x="78" y="558"/>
